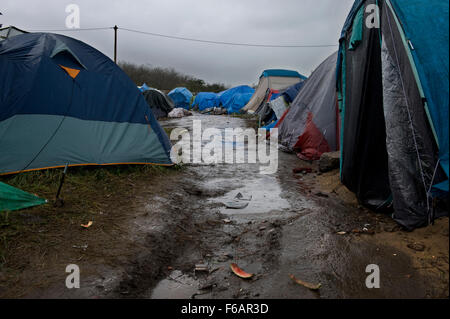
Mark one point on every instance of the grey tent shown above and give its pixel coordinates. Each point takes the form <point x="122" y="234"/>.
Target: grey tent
<point x="160" y="103"/>
<point x="310" y="127"/>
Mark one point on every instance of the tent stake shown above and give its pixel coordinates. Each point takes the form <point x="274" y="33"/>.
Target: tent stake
<point x="58" y="201"/>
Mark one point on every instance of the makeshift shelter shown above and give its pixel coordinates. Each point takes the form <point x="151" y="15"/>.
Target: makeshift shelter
<point x="310" y="124"/>
<point x="226" y="96"/>
<point x="274" y="110"/>
<point x="393" y="91"/>
<point x="237" y="102"/>
<point x="12" y="198"/>
<point x="160" y="104"/>
<point x="271" y="82"/>
<point x="205" y="100"/>
<point x="181" y="97"/>
<point x="63" y="102"/>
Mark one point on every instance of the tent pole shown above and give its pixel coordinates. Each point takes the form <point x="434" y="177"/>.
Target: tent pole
<point x="115" y="44"/>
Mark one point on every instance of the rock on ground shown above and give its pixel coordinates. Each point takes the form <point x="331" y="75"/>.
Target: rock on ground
<point x="329" y="161"/>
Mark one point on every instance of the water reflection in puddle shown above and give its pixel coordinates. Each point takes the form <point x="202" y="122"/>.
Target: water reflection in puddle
<point x="176" y="286"/>
<point x="265" y="195"/>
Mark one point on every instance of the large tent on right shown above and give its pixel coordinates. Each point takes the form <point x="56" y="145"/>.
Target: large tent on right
<point x="393" y="92"/>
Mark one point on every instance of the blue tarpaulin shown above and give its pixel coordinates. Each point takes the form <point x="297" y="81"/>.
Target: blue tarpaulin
<point x="226" y="96"/>
<point x="181" y="97"/>
<point x="237" y="102"/>
<point x="144" y="87"/>
<point x="205" y="100"/>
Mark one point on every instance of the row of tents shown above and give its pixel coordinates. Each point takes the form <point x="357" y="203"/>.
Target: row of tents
<point x="381" y="100"/>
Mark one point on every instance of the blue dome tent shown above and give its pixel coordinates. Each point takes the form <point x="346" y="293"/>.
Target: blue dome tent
<point x="181" y="97"/>
<point x="63" y="102"/>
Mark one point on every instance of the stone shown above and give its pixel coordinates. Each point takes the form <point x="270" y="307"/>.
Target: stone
<point x="329" y="161"/>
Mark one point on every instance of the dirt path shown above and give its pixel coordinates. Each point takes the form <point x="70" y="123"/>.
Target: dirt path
<point x="293" y="224"/>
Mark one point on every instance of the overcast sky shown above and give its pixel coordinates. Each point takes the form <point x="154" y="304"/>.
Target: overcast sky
<point x="286" y="22"/>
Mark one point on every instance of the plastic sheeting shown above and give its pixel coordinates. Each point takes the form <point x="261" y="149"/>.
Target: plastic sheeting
<point x="181" y="97"/>
<point x="12" y="198"/>
<point x="205" y="100"/>
<point x="237" y="102"/>
<point x="225" y="97"/>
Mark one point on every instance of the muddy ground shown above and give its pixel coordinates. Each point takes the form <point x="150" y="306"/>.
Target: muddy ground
<point x="149" y="234"/>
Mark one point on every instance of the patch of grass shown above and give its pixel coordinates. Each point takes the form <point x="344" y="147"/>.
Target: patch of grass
<point x="99" y="193"/>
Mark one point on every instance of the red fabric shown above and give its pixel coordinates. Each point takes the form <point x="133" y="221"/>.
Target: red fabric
<point x="311" y="144"/>
<point x="282" y="118"/>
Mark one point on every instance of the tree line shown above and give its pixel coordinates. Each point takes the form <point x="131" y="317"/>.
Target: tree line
<point x="167" y="78"/>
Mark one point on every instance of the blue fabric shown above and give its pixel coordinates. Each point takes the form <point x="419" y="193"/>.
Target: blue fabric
<point x="181" y="97"/>
<point x="26" y="66"/>
<point x="33" y="83"/>
<point x="271" y="125"/>
<point x="205" y="100"/>
<point x="283" y="73"/>
<point x="237" y="102"/>
<point x="352" y="14"/>
<point x="291" y="93"/>
<point x="425" y="24"/>
<point x="144" y="87"/>
<point x="226" y="96"/>
<point x="274" y="96"/>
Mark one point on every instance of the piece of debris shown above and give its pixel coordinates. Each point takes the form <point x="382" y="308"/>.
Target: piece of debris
<point x="320" y="194"/>
<point x="201" y="267"/>
<point x="214" y="270"/>
<point x="262" y="228"/>
<point x="235" y="205"/>
<point x="302" y="170"/>
<point x="342" y="233"/>
<point x="329" y="161"/>
<point x="242" y="197"/>
<point x="89" y="224"/>
<point x="363" y="231"/>
<point x="239" y="272"/>
<point x="305" y="284"/>
<point x="84" y="247"/>
<point x="227" y="221"/>
<point x="416" y="247"/>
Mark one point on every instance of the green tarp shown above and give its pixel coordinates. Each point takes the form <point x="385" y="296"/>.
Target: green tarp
<point x="12" y="198"/>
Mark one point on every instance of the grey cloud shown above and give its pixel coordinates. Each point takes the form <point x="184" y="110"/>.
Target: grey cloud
<point x="263" y="21"/>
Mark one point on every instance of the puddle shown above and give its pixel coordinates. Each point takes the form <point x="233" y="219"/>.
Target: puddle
<point x="266" y="197"/>
<point x="176" y="286"/>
